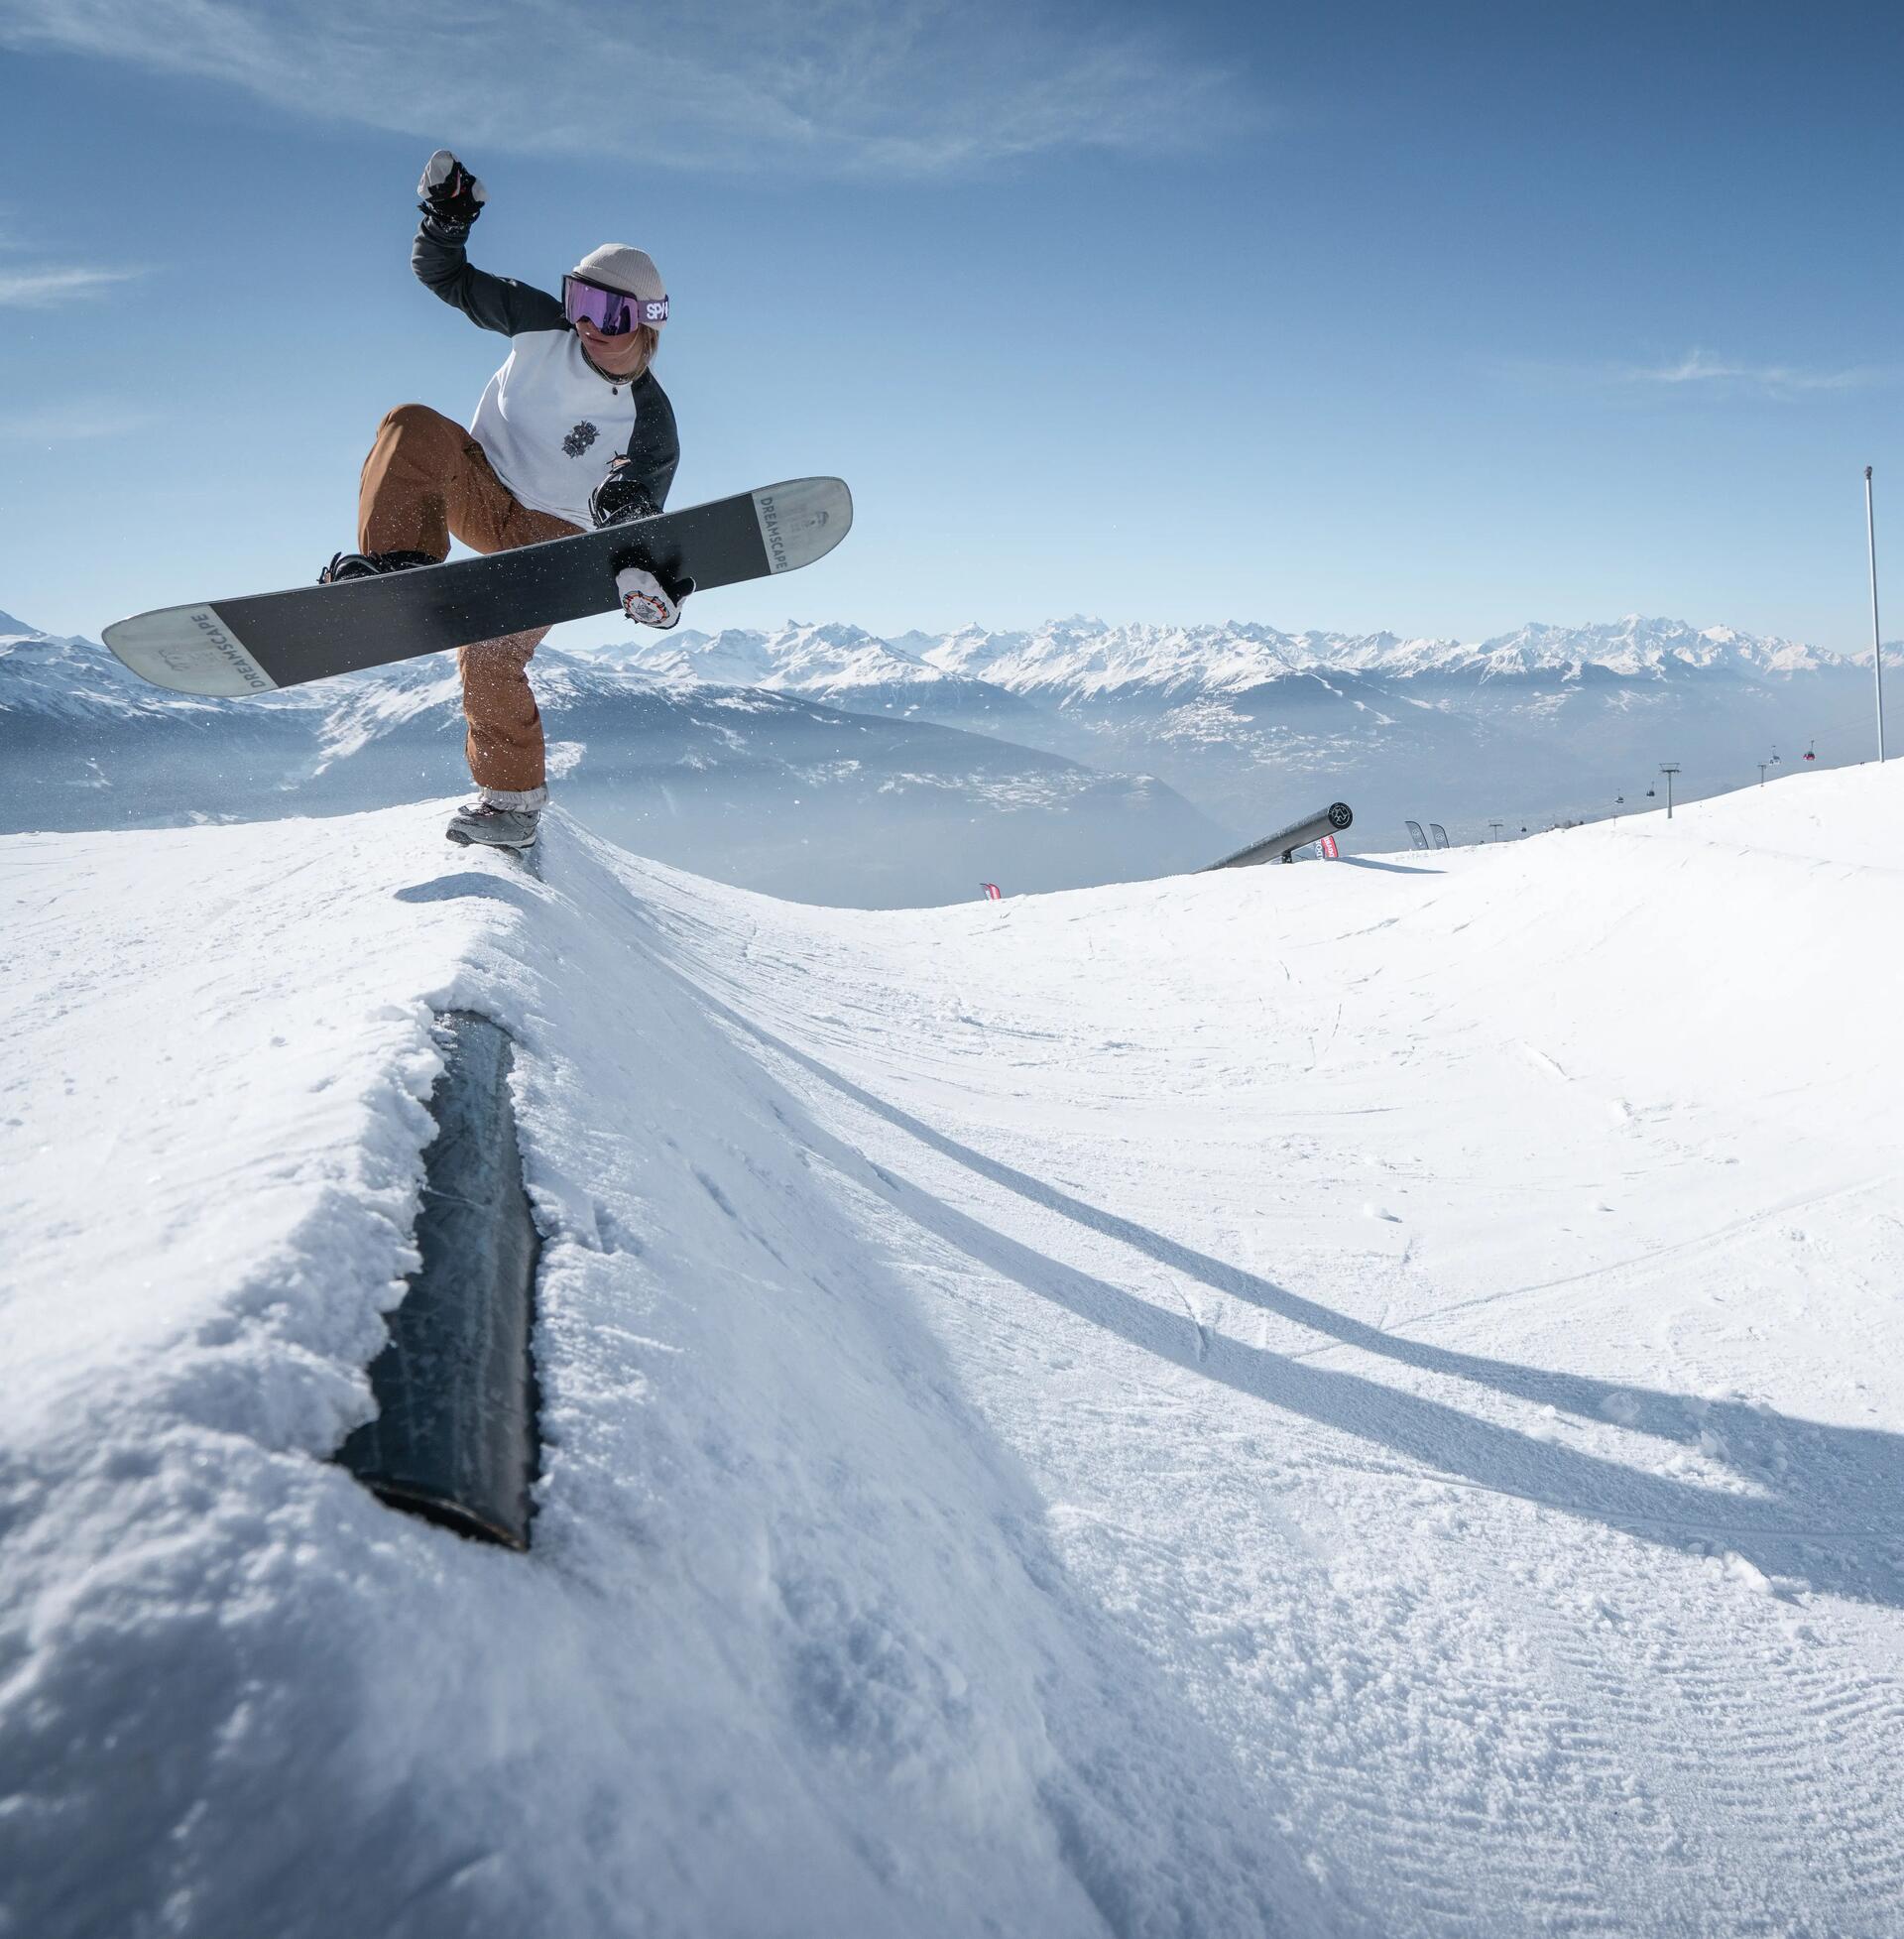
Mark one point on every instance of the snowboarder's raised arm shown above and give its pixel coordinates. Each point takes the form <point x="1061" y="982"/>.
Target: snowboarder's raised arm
<point x="452" y="198"/>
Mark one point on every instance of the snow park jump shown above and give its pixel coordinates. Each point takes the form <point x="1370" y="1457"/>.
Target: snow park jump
<point x="695" y="1248"/>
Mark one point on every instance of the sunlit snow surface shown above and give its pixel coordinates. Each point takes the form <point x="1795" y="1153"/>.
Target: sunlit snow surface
<point x="1355" y="1398"/>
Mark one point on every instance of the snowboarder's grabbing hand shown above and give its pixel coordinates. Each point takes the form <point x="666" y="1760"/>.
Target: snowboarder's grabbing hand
<point x="572" y="432"/>
<point x="653" y="599"/>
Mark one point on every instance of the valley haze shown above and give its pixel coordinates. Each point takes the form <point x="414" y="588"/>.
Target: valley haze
<point x="827" y="764"/>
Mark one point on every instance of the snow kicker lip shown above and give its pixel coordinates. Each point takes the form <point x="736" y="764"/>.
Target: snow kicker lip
<point x="189" y="650"/>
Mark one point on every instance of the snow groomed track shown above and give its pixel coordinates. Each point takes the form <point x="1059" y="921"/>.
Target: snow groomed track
<point x="1364" y="1398"/>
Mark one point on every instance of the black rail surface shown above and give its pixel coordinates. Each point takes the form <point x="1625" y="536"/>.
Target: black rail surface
<point x="455" y="1435"/>
<point x="1331" y="820"/>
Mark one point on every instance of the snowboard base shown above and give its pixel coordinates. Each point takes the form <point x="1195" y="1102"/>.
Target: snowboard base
<point x="228" y="648"/>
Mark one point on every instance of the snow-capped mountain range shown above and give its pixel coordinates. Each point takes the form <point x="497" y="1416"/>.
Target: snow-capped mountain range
<point x="802" y="759"/>
<point x="1082" y="658"/>
<point x="1254" y="725"/>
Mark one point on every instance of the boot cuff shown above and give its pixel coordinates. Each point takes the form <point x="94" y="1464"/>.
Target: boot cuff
<point x="525" y="800"/>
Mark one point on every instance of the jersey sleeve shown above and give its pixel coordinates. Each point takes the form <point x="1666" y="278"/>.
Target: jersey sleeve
<point x="493" y="302"/>
<point x="655" y="448"/>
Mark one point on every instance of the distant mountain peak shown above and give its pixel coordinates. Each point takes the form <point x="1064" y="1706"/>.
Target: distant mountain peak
<point x="1082" y="655"/>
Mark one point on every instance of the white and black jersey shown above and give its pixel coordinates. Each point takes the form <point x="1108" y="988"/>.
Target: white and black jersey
<point x="548" y="421"/>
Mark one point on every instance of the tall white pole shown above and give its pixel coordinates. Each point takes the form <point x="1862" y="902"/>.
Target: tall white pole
<point x="1877" y="649"/>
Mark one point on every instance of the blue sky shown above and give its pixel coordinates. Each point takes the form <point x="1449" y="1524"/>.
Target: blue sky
<point x="1327" y="315"/>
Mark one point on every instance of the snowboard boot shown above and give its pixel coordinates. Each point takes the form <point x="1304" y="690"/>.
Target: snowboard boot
<point x="484" y="826"/>
<point x="367" y="566"/>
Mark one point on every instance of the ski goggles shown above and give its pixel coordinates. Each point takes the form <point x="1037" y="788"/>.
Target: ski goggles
<point x="612" y="312"/>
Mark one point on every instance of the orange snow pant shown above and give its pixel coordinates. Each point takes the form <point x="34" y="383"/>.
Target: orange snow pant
<point x="425" y="479"/>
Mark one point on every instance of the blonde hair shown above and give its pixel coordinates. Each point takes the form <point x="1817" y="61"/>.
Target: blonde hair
<point x="649" y="338"/>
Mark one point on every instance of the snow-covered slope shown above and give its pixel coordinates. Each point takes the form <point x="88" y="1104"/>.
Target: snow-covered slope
<point x="1359" y="1398"/>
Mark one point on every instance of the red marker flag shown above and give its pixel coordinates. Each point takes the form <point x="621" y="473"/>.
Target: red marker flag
<point x="992" y="894"/>
<point x="1329" y="848"/>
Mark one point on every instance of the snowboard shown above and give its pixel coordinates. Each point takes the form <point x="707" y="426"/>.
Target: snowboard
<point x="231" y="646"/>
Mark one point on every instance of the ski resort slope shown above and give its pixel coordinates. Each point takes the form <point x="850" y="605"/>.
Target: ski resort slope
<point x="1344" y="1399"/>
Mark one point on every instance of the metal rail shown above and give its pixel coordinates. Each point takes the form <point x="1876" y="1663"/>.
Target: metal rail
<point x="455" y="1437"/>
<point x="1282" y="847"/>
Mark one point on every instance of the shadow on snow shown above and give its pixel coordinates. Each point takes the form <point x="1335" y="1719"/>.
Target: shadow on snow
<point x="1826" y="1506"/>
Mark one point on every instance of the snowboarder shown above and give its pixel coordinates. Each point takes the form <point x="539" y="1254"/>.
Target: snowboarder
<point x="572" y="431"/>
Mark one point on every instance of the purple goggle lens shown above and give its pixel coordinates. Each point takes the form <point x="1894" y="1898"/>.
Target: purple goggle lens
<point x="612" y="312"/>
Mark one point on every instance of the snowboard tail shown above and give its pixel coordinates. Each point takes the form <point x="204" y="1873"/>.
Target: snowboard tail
<point x="228" y="648"/>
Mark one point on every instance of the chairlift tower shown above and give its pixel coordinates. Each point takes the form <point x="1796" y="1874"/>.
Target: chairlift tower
<point x="1669" y="768"/>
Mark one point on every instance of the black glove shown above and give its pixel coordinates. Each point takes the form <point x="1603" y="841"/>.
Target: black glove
<point x="450" y="192"/>
<point x="621" y="496"/>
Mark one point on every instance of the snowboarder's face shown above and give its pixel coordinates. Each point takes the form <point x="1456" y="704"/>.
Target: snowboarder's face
<point x="620" y="356"/>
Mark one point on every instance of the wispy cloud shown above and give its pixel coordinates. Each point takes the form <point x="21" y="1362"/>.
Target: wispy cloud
<point x="1700" y="374"/>
<point x="36" y="288"/>
<point x="1697" y="367"/>
<point x="68" y="421"/>
<point x="918" y="87"/>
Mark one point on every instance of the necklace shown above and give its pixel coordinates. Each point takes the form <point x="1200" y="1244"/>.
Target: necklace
<point x="607" y="376"/>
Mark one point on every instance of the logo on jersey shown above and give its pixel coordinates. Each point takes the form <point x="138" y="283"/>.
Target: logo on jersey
<point x="579" y="440"/>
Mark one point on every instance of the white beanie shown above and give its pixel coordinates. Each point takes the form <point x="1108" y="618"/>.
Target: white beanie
<point x="617" y="267"/>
